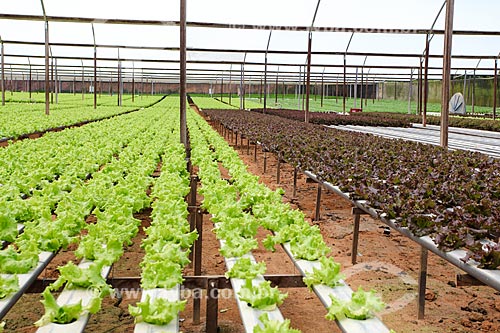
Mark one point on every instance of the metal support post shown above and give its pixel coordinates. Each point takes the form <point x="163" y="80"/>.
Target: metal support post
<point x="317" y="216"/>
<point x="197" y="263"/>
<point x="294" y="182"/>
<point x="278" y="170"/>
<point x="355" y="237"/>
<point x="422" y="282"/>
<point x="212" y="306"/>
<point x="265" y="161"/>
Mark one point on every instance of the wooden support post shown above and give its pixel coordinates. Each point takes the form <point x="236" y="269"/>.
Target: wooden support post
<point x="47" y="82"/>
<point x="192" y="226"/>
<point x="29" y="83"/>
<point x="248" y="146"/>
<point x="420" y="89"/>
<point x="95" y="69"/>
<point x="495" y="88"/>
<point x="308" y="77"/>
<point x="52" y="81"/>
<point x="278" y="170"/>
<point x="255" y="152"/>
<point x="344" y="91"/>
<point x="466" y="280"/>
<point x="212" y="306"/>
<point x="422" y="282"/>
<point x="265" y="161"/>
<point x="3" y="74"/>
<point x="83" y="82"/>
<point x="448" y="42"/>
<point x="236" y="140"/>
<point x="355" y="237"/>
<point x="197" y="263"/>
<point x="317" y="216"/>
<point x="294" y="182"/>
<point x="56" y="82"/>
<point x="322" y="87"/>
<point x="276" y="88"/>
<point x="426" y="82"/>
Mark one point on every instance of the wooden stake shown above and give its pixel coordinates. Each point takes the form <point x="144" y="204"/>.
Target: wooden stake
<point x="448" y="42"/>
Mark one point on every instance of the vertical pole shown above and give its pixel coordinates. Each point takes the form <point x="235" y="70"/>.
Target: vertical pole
<point x="317" y="216"/>
<point x="420" y="87"/>
<point x="426" y="81"/>
<point x="29" y="80"/>
<point x="422" y="282"/>
<point x="495" y="87"/>
<point x="356" y="89"/>
<point x="83" y="82"/>
<point x="133" y="82"/>
<point x="230" y="82"/>
<point x="465" y="88"/>
<point x="366" y="88"/>
<point x="52" y="81"/>
<point x="362" y="86"/>
<point x="3" y="73"/>
<point x="375" y="91"/>
<point x="278" y="170"/>
<point x="294" y="182"/>
<point x="47" y="82"/>
<point x="344" y="93"/>
<point x="322" y="87"/>
<point x="142" y="82"/>
<point x="355" y="238"/>
<point x="448" y="42"/>
<point x="197" y="262"/>
<point x="276" y="87"/>
<point x="337" y="89"/>
<point x="410" y="91"/>
<point x="119" y="79"/>
<point x="308" y="79"/>
<point x="56" y="82"/>
<point x="242" y="88"/>
<point x="222" y="87"/>
<point x="473" y="91"/>
<point x="182" y="28"/>
<point x="260" y="90"/>
<point x="212" y="306"/>
<point x="95" y="68"/>
<point x="299" y="87"/>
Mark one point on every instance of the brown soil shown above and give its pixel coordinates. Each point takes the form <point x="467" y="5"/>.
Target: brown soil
<point x="388" y="264"/>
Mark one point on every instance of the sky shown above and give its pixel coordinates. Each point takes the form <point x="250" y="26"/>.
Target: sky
<point x="390" y="14"/>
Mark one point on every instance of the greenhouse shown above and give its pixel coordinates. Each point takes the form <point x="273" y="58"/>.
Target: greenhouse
<point x="232" y="166"/>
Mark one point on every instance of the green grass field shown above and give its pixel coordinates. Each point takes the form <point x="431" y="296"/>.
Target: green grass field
<point x="336" y="104"/>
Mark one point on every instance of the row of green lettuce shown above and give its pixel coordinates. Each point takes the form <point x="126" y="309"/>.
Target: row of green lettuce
<point x="234" y="226"/>
<point x="91" y="180"/>
<point x="243" y="204"/>
<point x="169" y="238"/>
<point x="122" y="192"/>
<point x="18" y="117"/>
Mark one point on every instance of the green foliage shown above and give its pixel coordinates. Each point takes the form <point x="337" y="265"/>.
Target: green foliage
<point x="262" y="296"/>
<point x="361" y="306"/>
<point x="157" y="312"/>
<point x="328" y="274"/>
<point x="245" y="269"/>
<point x="273" y="326"/>
<point x="8" y="285"/>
